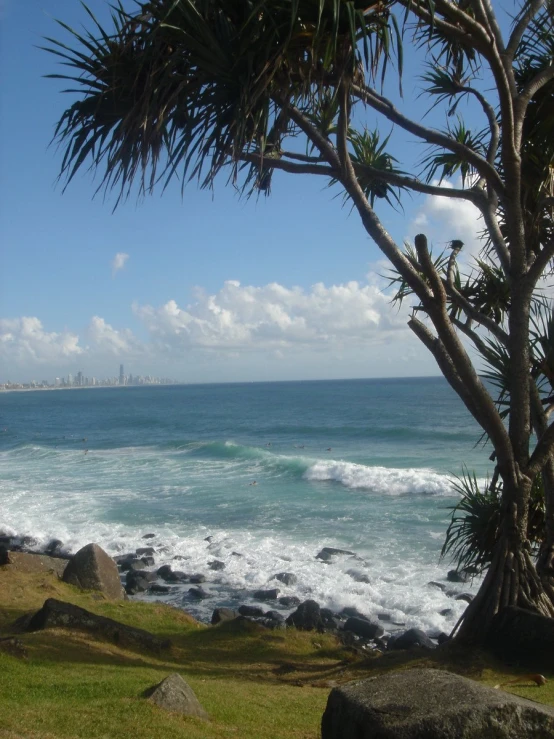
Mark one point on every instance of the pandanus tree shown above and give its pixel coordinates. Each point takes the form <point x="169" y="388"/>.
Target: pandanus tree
<point x="190" y="88"/>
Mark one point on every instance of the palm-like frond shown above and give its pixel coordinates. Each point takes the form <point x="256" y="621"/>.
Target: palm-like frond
<point x="446" y="164"/>
<point x="476" y="520"/>
<point x="196" y="84"/>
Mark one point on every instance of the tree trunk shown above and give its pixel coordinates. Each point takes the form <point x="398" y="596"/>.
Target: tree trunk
<point x="545" y="560"/>
<point x="511" y="580"/>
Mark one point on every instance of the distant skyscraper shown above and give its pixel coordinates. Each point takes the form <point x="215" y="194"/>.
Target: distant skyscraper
<point x="121" y="375"/>
<point x="70" y="379"/>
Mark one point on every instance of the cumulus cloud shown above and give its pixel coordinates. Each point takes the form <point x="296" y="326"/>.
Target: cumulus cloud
<point x="107" y="339"/>
<point x="444" y="219"/>
<point x="118" y="262"/>
<point x="25" y="341"/>
<point x="274" y="317"/>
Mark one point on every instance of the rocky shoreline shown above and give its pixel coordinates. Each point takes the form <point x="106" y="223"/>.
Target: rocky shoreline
<point x="140" y="577"/>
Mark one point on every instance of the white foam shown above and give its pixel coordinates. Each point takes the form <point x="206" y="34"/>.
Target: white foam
<point x="384" y="480"/>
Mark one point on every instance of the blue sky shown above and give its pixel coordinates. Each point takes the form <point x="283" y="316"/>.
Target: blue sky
<point x="213" y="288"/>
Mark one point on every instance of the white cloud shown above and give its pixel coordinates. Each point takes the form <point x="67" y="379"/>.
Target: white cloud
<point x="107" y="339"/>
<point x="118" y="262"/>
<point x="445" y="219"/>
<point x="25" y="341"/>
<point x="274" y="317"/>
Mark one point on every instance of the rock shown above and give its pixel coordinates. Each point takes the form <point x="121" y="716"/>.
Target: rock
<point x="330" y="620"/>
<point x="522" y="635"/>
<point x="351" y="612"/>
<point x="159" y="589"/>
<point x="411" y="638"/>
<point x="289" y="601"/>
<point x="358" y="576"/>
<point x="4" y="555"/>
<point x="131" y="563"/>
<point x="198" y="593"/>
<point x="384" y="617"/>
<point x="92" y="569"/>
<point x="178" y="576"/>
<point x="438" y="585"/>
<point x="53" y="547"/>
<point x="148" y="551"/>
<point x="209" y="539"/>
<point x="327" y="552"/>
<point x="56" y="613"/>
<point x="149" y="536"/>
<point x="197" y="578"/>
<point x="287" y="578"/>
<point x="468" y="597"/>
<point x="223" y="614"/>
<point x="446" y="612"/>
<point x="458" y="576"/>
<point x="236" y="554"/>
<point x="251" y="611"/>
<point x="137" y="581"/>
<point x="307" y="617"/>
<point x="165" y="572"/>
<point x="442" y="638"/>
<point x="216" y="564"/>
<point x="267" y="594"/>
<point x="361" y="627"/>
<point x="174" y="694"/>
<point x="431" y="704"/>
<point x="274" y="616"/>
<point x="148" y="561"/>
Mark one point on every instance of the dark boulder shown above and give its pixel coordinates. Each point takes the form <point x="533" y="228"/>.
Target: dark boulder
<point x="56" y="614"/>
<point x="149" y="536"/>
<point x="92" y="569"/>
<point x="328" y="552"/>
<point x="289" y="601"/>
<point x="287" y="578"/>
<point x="351" y="612"/>
<point x="439" y="585"/>
<point x="431" y="704"/>
<point x="361" y="627"/>
<point x="223" y="614"/>
<point x="267" y="594"/>
<point x="157" y="589"/>
<point x="54" y="547"/>
<point x="458" y="576"/>
<point x="175" y="694"/>
<point x="446" y="612"/>
<point x="198" y="593"/>
<point x="137" y="581"/>
<point x="251" y="611"/>
<point x="216" y="565"/>
<point x="275" y="615"/>
<point x="197" y="578"/>
<point x="517" y="634"/>
<point x="468" y="597"/>
<point x="4" y="555"/>
<point x="145" y="551"/>
<point x="164" y="572"/>
<point x="411" y="638"/>
<point x="148" y="561"/>
<point x="442" y="638"/>
<point x="307" y="617"/>
<point x="358" y="576"/>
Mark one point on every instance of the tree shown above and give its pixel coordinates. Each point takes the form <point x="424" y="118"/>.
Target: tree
<point x="188" y="88"/>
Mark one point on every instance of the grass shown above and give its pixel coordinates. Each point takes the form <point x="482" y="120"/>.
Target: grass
<point x="252" y="682"/>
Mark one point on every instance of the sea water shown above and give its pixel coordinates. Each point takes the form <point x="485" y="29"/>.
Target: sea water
<point x="260" y="476"/>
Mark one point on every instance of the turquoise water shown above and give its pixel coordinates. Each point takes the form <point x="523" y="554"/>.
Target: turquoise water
<point x="363" y="465"/>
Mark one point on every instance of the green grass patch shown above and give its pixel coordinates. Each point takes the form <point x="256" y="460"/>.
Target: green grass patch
<point x="252" y="682"/>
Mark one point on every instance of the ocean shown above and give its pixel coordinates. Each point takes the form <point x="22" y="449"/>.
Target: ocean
<point x="260" y="476"/>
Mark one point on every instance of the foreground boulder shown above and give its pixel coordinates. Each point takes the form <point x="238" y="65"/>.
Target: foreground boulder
<point x="307" y="617"/>
<point x="56" y="613"/>
<point x="411" y="638"/>
<point x="522" y="635"/>
<point x="175" y="694"/>
<point x="92" y="569"/>
<point x="431" y="704"/>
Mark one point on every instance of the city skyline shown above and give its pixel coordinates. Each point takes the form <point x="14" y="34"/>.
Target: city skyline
<point x="81" y="380"/>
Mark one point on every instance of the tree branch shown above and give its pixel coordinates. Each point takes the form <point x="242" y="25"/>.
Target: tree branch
<point x="412" y="183"/>
<point x="386" y="108"/>
<point x="319" y="141"/>
<point x="274" y="163"/>
<point x="493" y="123"/>
<point x="480" y="345"/>
<point x="538" y="81"/>
<point x="428" y="268"/>
<point x="542" y="452"/>
<point x="541" y="262"/>
<point x="302" y="157"/>
<point x="446" y="365"/>
<point x="521" y="26"/>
